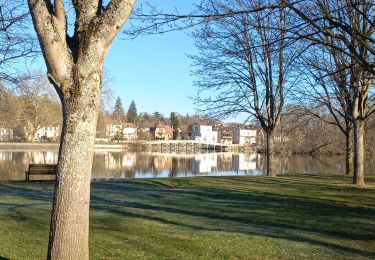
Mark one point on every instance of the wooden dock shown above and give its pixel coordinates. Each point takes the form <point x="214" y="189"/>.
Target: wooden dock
<point x="178" y="146"/>
<point x="189" y="146"/>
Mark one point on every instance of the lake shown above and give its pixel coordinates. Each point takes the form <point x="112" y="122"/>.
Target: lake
<point x="120" y="164"/>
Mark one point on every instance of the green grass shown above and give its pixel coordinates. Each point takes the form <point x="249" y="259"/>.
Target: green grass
<point x="288" y="217"/>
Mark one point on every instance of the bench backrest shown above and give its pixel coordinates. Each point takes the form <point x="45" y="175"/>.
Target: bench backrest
<point x="42" y="169"/>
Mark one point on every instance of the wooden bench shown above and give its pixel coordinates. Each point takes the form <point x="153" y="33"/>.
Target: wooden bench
<point x="40" y="169"/>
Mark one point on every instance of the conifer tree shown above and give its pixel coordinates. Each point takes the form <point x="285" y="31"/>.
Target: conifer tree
<point x="158" y="116"/>
<point x="132" y="113"/>
<point x="175" y="124"/>
<point x="118" y="114"/>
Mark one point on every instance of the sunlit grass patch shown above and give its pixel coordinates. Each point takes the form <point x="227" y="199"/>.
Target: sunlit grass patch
<point x="313" y="217"/>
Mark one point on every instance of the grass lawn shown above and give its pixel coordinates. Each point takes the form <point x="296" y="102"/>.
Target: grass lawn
<point x="287" y="217"/>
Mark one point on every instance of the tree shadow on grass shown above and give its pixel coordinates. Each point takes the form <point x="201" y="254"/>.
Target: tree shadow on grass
<point x="275" y="233"/>
<point x="274" y="207"/>
<point x="298" y="219"/>
<point x="248" y="211"/>
<point x="42" y="192"/>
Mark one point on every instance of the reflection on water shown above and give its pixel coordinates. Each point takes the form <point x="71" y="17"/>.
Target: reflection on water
<point x="116" y="164"/>
<point x="14" y="164"/>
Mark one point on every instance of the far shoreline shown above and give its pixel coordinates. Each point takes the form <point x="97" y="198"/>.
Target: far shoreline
<point x="137" y="146"/>
<point x="52" y="146"/>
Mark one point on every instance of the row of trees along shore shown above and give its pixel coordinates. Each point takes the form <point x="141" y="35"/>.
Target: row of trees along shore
<point x="33" y="104"/>
<point x="314" y="54"/>
<point x="261" y="57"/>
<point x="252" y="56"/>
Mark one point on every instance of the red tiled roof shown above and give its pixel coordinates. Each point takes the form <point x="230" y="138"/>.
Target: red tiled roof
<point x="159" y="125"/>
<point x="169" y="130"/>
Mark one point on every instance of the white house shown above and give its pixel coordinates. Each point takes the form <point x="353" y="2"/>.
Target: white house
<point x="129" y="131"/>
<point x="6" y="134"/>
<point x="225" y="137"/>
<point x="203" y="133"/>
<point x="126" y="131"/>
<point x="113" y="130"/>
<point x="47" y="132"/>
<point x="244" y="136"/>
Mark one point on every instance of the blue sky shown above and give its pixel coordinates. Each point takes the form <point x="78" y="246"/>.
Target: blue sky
<point x="154" y="70"/>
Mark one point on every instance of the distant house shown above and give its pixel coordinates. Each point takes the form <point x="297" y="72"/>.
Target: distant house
<point x="113" y="131"/>
<point x="162" y="132"/>
<point x="129" y="131"/>
<point x="144" y="133"/>
<point x="126" y="131"/>
<point x="50" y="133"/>
<point x="6" y="134"/>
<point x="203" y="133"/>
<point x="244" y="136"/>
<point x="225" y="137"/>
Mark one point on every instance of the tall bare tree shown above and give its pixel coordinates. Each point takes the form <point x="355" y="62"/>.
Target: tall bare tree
<point x="348" y="27"/>
<point x="349" y="22"/>
<point x="327" y="74"/>
<point x="244" y="65"/>
<point x="16" y="40"/>
<point x="36" y="105"/>
<point x="301" y="132"/>
<point x="75" y="67"/>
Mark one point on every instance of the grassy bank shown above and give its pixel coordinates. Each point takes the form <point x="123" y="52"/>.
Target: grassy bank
<point x="288" y="217"/>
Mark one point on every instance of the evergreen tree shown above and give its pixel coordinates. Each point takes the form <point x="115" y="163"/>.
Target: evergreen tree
<point x="146" y="116"/>
<point x="132" y="113"/>
<point x="118" y="114"/>
<point x="158" y="116"/>
<point x="175" y="124"/>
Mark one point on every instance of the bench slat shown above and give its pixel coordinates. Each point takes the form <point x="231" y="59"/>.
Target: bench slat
<point x="41" y="169"/>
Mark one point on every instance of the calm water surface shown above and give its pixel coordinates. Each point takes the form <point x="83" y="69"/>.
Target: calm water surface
<point x="120" y="164"/>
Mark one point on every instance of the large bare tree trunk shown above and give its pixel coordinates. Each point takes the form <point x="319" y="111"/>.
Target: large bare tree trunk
<point x="349" y="155"/>
<point x="359" y="175"/>
<point x="75" y="66"/>
<point x="70" y="218"/>
<point x="270" y="154"/>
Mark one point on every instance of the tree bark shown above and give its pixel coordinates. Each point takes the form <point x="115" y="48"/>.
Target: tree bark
<point x="270" y="154"/>
<point x="69" y="228"/>
<point x="75" y="65"/>
<point x="349" y="152"/>
<point x="359" y="175"/>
